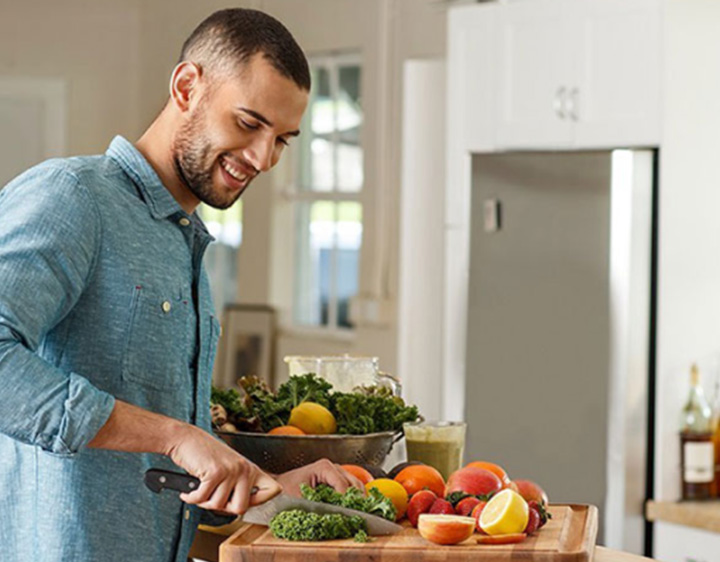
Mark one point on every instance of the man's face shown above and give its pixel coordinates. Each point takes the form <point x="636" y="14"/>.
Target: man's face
<point x="237" y="129"/>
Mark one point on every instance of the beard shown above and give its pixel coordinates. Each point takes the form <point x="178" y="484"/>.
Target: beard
<point x="194" y="165"/>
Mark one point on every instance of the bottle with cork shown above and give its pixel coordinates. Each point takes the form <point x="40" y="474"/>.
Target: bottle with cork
<point x="697" y="451"/>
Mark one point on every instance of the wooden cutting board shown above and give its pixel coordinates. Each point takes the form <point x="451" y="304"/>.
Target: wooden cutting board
<point x="568" y="537"/>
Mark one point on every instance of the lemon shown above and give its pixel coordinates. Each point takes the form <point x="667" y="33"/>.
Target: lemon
<point x="392" y="490"/>
<point x="506" y="513"/>
<point x="313" y="419"/>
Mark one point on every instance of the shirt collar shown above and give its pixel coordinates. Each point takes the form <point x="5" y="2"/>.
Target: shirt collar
<point x="160" y="201"/>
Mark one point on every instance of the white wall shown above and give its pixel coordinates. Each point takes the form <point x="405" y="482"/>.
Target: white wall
<point x="689" y="266"/>
<point x="93" y="47"/>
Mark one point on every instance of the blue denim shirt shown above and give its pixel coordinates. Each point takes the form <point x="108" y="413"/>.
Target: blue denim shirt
<point x="102" y="297"/>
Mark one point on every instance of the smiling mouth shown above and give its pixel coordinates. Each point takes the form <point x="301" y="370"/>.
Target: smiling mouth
<point x="235" y="171"/>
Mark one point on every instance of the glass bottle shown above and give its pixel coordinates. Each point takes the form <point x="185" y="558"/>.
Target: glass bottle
<point x="697" y="456"/>
<point x="716" y="436"/>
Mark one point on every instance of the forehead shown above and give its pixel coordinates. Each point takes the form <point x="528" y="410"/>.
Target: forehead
<point x="260" y="87"/>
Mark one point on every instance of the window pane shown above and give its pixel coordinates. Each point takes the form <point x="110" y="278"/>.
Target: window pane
<point x="317" y="170"/>
<point x="314" y="248"/>
<point x="349" y="241"/>
<point x="328" y="251"/>
<point x="349" y="122"/>
<point x="221" y="256"/>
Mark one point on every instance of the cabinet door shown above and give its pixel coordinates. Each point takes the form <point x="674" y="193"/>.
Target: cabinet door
<point x="676" y="543"/>
<point x="535" y="73"/>
<point x="471" y="77"/>
<point x="617" y="100"/>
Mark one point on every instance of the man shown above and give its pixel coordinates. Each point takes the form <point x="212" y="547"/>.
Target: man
<point x="107" y="331"/>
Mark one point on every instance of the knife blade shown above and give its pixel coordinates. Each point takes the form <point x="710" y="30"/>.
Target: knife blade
<point x="158" y="480"/>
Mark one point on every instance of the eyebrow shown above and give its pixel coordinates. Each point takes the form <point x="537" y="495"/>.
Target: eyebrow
<point x="260" y="117"/>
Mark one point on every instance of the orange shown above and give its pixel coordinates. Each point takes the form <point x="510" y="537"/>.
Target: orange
<point x="419" y="477"/>
<point x="495" y="469"/>
<point x="358" y="472"/>
<point x="286" y="430"/>
<point x="392" y="490"/>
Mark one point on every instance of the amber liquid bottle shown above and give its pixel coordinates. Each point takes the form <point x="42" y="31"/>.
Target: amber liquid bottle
<point x="697" y="454"/>
<point x="716" y="438"/>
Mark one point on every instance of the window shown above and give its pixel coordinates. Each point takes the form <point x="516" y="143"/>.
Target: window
<point x="221" y="255"/>
<point x="328" y="210"/>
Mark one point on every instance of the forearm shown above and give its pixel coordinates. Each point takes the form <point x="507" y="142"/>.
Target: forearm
<point x="135" y="430"/>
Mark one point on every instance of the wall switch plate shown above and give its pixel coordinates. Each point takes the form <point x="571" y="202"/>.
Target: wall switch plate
<point x="491" y="212"/>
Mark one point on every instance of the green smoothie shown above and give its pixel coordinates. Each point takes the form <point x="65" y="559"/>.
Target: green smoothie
<point x="438" y="444"/>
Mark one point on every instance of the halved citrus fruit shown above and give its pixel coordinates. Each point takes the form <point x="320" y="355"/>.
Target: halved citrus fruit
<point x="505" y="514"/>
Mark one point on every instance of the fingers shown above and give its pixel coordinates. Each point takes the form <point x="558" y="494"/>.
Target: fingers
<point x="268" y="488"/>
<point x="338" y="478"/>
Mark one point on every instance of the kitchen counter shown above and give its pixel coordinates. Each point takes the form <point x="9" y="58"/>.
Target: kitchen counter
<point x="701" y="515"/>
<point x="208" y="540"/>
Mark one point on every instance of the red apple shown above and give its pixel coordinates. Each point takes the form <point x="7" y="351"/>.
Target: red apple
<point x="445" y="529"/>
<point x="474" y="481"/>
<point x="531" y="491"/>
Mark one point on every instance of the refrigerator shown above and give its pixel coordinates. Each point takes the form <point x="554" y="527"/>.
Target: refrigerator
<point x="561" y="322"/>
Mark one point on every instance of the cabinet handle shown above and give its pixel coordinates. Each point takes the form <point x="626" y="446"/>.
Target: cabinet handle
<point x="559" y="102"/>
<point x="573" y="111"/>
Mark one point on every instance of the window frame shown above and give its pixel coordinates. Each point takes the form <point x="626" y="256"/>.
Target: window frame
<point x="297" y="196"/>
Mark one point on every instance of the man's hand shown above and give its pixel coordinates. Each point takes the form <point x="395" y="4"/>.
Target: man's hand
<point x="319" y="472"/>
<point x="226" y="477"/>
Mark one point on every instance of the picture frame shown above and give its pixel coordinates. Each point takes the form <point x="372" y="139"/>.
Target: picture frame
<point x="247" y="344"/>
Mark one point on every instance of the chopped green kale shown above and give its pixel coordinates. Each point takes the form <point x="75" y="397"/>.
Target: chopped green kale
<point x="374" y="503"/>
<point x="299" y="525"/>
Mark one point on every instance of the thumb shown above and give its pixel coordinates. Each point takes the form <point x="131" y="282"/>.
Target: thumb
<point x="267" y="488"/>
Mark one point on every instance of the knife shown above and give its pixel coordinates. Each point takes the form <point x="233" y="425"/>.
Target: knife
<point x="158" y="480"/>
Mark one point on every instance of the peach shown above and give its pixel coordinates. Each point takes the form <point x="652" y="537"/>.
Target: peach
<point x="530" y="491"/>
<point x="445" y="529"/>
<point x="474" y="481"/>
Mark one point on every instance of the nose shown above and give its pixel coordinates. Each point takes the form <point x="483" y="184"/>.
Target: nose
<point x="260" y="153"/>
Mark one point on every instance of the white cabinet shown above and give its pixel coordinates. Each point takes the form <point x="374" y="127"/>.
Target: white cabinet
<point x="471" y="76"/>
<point x="535" y="74"/>
<point x="578" y="73"/>
<point x="619" y="78"/>
<point x="676" y="543"/>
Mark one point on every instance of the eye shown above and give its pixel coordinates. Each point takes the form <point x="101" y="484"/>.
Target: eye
<point x="248" y="125"/>
<point x="283" y="141"/>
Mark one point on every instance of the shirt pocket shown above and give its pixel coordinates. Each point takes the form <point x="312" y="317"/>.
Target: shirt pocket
<point x="156" y="350"/>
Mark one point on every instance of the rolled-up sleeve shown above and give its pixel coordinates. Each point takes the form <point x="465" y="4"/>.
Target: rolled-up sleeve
<point x="50" y="235"/>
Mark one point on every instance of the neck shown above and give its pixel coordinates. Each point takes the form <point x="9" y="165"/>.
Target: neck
<point x="154" y="146"/>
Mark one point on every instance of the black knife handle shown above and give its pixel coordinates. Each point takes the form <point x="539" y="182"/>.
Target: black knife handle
<point x="158" y="480"/>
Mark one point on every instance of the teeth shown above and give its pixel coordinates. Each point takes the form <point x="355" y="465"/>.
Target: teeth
<point x="233" y="171"/>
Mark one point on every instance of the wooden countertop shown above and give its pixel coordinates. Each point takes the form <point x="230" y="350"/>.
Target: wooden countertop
<point x="208" y="540"/>
<point x="701" y="515"/>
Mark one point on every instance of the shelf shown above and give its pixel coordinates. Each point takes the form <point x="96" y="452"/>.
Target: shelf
<point x="701" y="515"/>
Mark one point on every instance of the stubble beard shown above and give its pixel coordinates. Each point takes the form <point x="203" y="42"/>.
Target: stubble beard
<point x="191" y="157"/>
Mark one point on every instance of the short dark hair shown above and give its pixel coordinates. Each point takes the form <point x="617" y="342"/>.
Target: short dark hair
<point x="229" y="38"/>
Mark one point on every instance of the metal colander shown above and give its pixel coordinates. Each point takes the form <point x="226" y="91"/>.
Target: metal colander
<point x="280" y="453"/>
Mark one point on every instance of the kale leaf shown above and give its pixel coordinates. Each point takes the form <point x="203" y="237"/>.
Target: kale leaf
<point x="299" y="525"/>
<point x="372" y="410"/>
<point x="374" y="503"/>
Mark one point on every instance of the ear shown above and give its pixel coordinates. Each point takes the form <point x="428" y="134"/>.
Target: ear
<point x="184" y="84"/>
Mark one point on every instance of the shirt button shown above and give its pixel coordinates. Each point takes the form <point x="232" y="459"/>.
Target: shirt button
<point x="184" y="222"/>
<point x="166" y="306"/>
